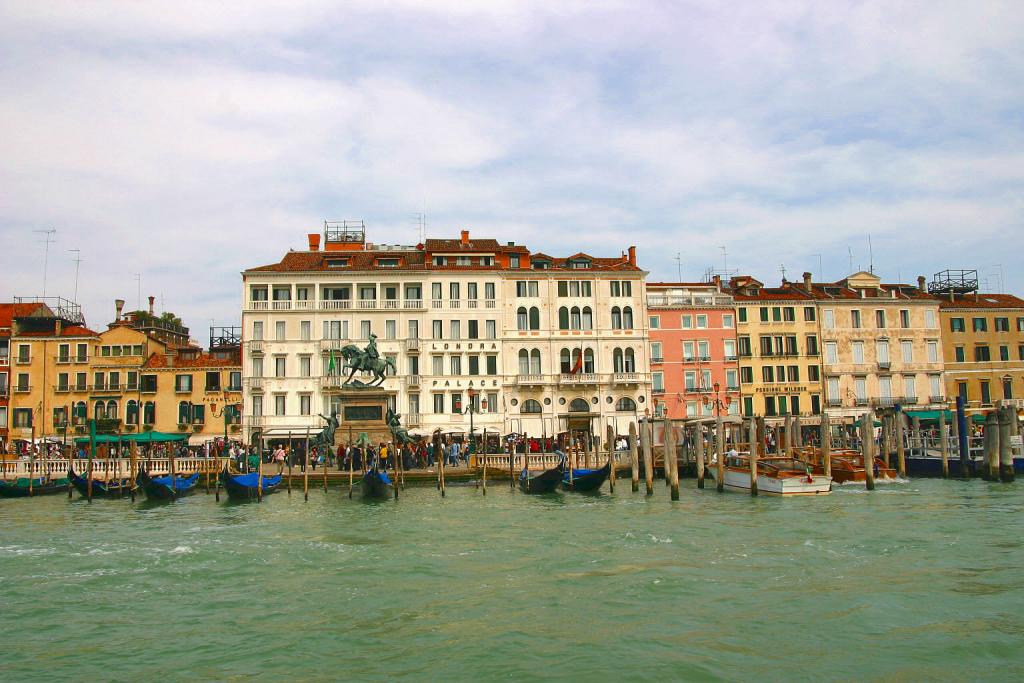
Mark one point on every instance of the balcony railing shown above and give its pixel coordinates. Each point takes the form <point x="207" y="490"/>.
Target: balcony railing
<point x="436" y="303"/>
<point x="62" y="388"/>
<point x="326" y="345"/>
<point x="22" y="388"/>
<point x="63" y="360"/>
<point x="937" y="399"/>
<point x="657" y="359"/>
<point x="262" y="305"/>
<point x="414" y="303"/>
<point x="412" y="380"/>
<point x="256" y="346"/>
<point x="471" y="303"/>
<point x="331" y="381"/>
<point x="489" y="303"/>
<point x="578" y="378"/>
<point x="281" y="305"/>
<point x="887" y="401"/>
<point x="835" y="402"/>
<point x="335" y="304"/>
<point x="412" y="345"/>
<point x="303" y="305"/>
<point x="23" y="360"/>
<point x="884" y="364"/>
<point x="254" y="383"/>
<point x="391" y="304"/>
<point x="626" y="378"/>
<point x="530" y="380"/>
<point x="368" y="304"/>
<point x="413" y="419"/>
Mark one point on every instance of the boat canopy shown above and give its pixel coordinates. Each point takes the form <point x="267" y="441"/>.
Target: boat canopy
<point x="145" y="437"/>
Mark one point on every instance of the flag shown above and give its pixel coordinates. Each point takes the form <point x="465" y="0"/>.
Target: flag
<point x="578" y="365"/>
<point x="331" y="367"/>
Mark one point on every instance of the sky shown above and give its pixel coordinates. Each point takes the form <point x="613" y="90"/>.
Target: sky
<point x="177" y="144"/>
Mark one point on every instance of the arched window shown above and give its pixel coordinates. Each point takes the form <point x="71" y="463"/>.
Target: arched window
<point x="131" y="413"/>
<point x="149" y="413"/>
<point x="630" y="362"/>
<point x="579" y="405"/>
<point x="574" y="318"/>
<point x="522" y="321"/>
<point x="81" y="412"/>
<point x="535" y="362"/>
<point x="588" y="318"/>
<point x="524" y="362"/>
<point x="627" y="318"/>
<point x="565" y="362"/>
<point x="625" y="404"/>
<point x="617" y="360"/>
<point x="563" y="318"/>
<point x="588" y="361"/>
<point x="112" y="412"/>
<point x="99" y="410"/>
<point x="183" y="412"/>
<point x="616" y="318"/>
<point x="531" y="406"/>
<point x="577" y="359"/>
<point x="534" y="318"/>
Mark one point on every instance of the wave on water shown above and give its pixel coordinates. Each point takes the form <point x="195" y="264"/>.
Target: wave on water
<point x="660" y="540"/>
<point x="181" y="550"/>
<point x="17" y="550"/>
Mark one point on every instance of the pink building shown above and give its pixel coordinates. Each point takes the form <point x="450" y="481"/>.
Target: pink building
<point x="693" y="349"/>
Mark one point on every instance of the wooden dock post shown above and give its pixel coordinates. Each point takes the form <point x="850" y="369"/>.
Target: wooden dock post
<point x="305" y="469"/>
<point x="634" y="461"/>
<point x="720" y="452"/>
<point x="754" y="448"/>
<point x="826" y="444"/>
<point x="646" y="434"/>
<point x="92" y="456"/>
<point x="944" y="443"/>
<point x="992" y="446"/>
<point x="954" y="430"/>
<point x="787" y="433"/>
<point x="698" y="450"/>
<point x="610" y="438"/>
<point x="915" y="427"/>
<point x="867" y="443"/>
<point x="132" y="467"/>
<point x="1005" y="446"/>
<point x="798" y="432"/>
<point x="671" y="458"/>
<point x="901" y="450"/>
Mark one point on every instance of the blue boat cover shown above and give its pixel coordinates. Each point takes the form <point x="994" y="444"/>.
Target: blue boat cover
<point x="249" y="480"/>
<point x="383" y="476"/>
<point x="180" y="483"/>
<point x="580" y="473"/>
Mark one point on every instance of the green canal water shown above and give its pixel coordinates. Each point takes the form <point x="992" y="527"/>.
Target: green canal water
<point x="916" y="581"/>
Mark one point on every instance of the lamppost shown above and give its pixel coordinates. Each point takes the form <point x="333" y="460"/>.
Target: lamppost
<point x="719" y="403"/>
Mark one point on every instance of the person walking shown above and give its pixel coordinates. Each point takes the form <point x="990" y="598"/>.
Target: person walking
<point x="279" y="456"/>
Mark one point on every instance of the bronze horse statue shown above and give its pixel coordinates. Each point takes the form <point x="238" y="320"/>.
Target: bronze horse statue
<point x="360" y="361"/>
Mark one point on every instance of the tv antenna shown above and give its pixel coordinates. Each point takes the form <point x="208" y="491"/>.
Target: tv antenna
<point x="78" y="263"/>
<point x="679" y="267"/>
<point x="782" y="269"/>
<point x="849" y="253"/>
<point x="47" y="240"/>
<point x="138" y="279"/>
<point x="725" y="259"/>
<point x="871" y="256"/>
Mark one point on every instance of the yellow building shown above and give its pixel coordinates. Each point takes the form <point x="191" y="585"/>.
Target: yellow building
<point x="779" y="353"/>
<point x="983" y="342"/>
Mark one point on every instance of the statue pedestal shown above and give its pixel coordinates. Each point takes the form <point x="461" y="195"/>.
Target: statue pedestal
<point x="363" y="411"/>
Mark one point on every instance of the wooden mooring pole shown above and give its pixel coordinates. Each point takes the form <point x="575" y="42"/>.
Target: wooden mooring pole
<point x="610" y="446"/>
<point x="671" y="459"/>
<point x="826" y="444"/>
<point x="992" y="446"/>
<point x="720" y="453"/>
<point x="867" y="441"/>
<point x="634" y="461"/>
<point x="698" y="453"/>
<point x="901" y="451"/>
<point x="1005" y="445"/>
<point x="944" y="443"/>
<point x="646" y="434"/>
<point x="754" y="448"/>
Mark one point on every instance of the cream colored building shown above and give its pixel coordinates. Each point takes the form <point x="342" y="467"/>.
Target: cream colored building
<point x="455" y="316"/>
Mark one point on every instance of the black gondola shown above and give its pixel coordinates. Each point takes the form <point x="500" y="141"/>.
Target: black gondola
<point x="114" y="488"/>
<point x="41" y="486"/>
<point x="159" y="488"/>
<point x="545" y="482"/>
<point x="244" y="486"/>
<point x="586" y="480"/>
<point x="377" y="484"/>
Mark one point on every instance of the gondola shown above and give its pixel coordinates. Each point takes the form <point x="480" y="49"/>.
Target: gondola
<point x="545" y="482"/>
<point x="159" y="488"/>
<point x="585" y="480"/>
<point x="115" y="488"/>
<point x="244" y="486"/>
<point x="377" y="484"/>
<point x="40" y="487"/>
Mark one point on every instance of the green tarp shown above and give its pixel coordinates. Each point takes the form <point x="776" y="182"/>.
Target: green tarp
<point x="933" y="416"/>
<point x="144" y="437"/>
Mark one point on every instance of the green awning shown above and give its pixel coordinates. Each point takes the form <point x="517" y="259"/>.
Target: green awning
<point x="857" y="423"/>
<point x="144" y="437"/>
<point x="931" y="415"/>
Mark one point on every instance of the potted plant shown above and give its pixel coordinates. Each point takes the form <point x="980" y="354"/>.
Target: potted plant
<point x="197" y="427"/>
<point x="235" y="428"/>
<point x="182" y="426"/>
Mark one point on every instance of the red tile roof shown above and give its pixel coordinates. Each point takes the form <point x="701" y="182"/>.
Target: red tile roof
<point x="66" y="331"/>
<point x="474" y="245"/>
<point x="981" y="301"/>
<point x="8" y="312"/>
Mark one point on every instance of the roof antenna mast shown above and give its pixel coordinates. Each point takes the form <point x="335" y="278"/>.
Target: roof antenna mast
<point x="48" y="239"/>
<point x="871" y="256"/>
<point x="679" y="267"/>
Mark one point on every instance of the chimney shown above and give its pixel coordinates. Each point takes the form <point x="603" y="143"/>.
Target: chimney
<point x="58" y="327"/>
<point x="807" y="282"/>
<point x="465" y="238"/>
<point x="920" y="284"/>
<point x="717" y="279"/>
<point x="632" y="256"/>
<point x="952" y="295"/>
<point x="118" y="306"/>
<point x="314" y="241"/>
<point x="152" y="299"/>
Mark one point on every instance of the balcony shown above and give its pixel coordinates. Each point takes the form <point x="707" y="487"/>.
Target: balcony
<point x="367" y="304"/>
<point x="261" y="305"/>
<point x="303" y="305"/>
<point x="253" y="383"/>
<point x="256" y="346"/>
<point x="578" y="378"/>
<point x="861" y="402"/>
<point x="284" y="305"/>
<point x="658" y="359"/>
<point x="531" y="380"/>
<point x="835" y="402"/>
<point x="731" y="357"/>
<point x="626" y="378"/>
<point x="23" y="360"/>
<point x="733" y="388"/>
<point x="414" y="303"/>
<point x="326" y="345"/>
<point x="472" y="303"/>
<point x="887" y="401"/>
<point x="335" y="304"/>
<point x="22" y="388"/>
<point x="412" y="380"/>
<point x="62" y="388"/>
<point x="254" y="421"/>
<point x="80" y="388"/>
<point x="436" y="303"/>
<point x="391" y="304"/>
<point x="81" y="359"/>
<point x="884" y="364"/>
<point x="413" y="419"/>
<point x="331" y="382"/>
<point x="489" y="303"/>
<point x="658" y="390"/>
<point x="412" y="345"/>
<point x="454" y="303"/>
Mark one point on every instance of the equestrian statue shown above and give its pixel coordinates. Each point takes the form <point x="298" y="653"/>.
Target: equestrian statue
<point x="365" y="360"/>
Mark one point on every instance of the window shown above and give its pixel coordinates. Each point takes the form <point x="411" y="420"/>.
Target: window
<point x="524" y="288"/>
<point x="658" y="381"/>
<point x="907" y="350"/>
<point x="279" y="329"/>
<point x="882" y="351"/>
<point x="831" y="352"/>
<point x="64" y="353"/>
<point x="1002" y="324"/>
<point x="1004" y="352"/>
<point x="957" y="325"/>
<point x="655" y="322"/>
<point x="235" y="379"/>
<point x="776" y="314"/>
<point x="82" y="354"/>
<point x="530" y="407"/>
<point x="809" y="313"/>
<point x="474" y="329"/>
<point x="305" y="366"/>
<point x="904" y="318"/>
<point x="732" y="379"/>
<point x="625" y="404"/>
<point x="131" y="413"/>
<point x="280" y="404"/>
<point x="183" y="412"/>
<point x="855" y="319"/>
<point x="986" y="393"/>
<point x="474" y="365"/>
<point x="880" y="319"/>
<point x="727" y="321"/>
<point x="183" y="383"/>
<point x="933" y="351"/>
<point x="62" y="382"/>
<point x="456" y="403"/>
<point x="910" y="387"/>
<point x="563" y="318"/>
<point x="769" y="405"/>
<point x="656" y="351"/>
<point x="979" y="324"/>
<point x="748" y="406"/>
<point x="1007" y="388"/>
<point x="812" y="345"/>
<point x="981" y="353"/>
<point x="148" y="412"/>
<point x="305" y="328"/>
<point x="24" y="353"/>
<point x="829" y="321"/>
<point x="961" y="390"/>
<point x="704" y="350"/>
<point x="857" y="348"/>
<point x="364" y="329"/>
<point x="436" y="329"/>
<point x="702" y="322"/>
<point x="959" y="355"/>
<point x="456" y="329"/>
<point x="491" y="329"/>
<point x="149" y="383"/>
<point x="729" y="347"/>
<point x="860" y="388"/>
<point x="929" y="319"/>
<point x="22" y="417"/>
<point x="813" y="373"/>
<point x="690" y="380"/>
<point x="390" y="329"/>
<point x="788" y="314"/>
<point x="492" y="365"/>
<point x="744" y="346"/>
<point x="768" y="374"/>
<point x="335" y="329"/>
<point x="793" y="372"/>
<point x="304" y="404"/>
<point x="746" y="375"/>
<point x="279" y="366"/>
<point x="213" y="381"/>
<point x="437" y="364"/>
<point x="522" y="318"/>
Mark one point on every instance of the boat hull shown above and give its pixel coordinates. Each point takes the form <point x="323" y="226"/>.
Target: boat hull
<point x="585" y="480"/>
<point x="739" y="480"/>
<point x="545" y="482"/>
<point x="40" y="487"/>
<point x="244" y="486"/>
<point x="376" y="484"/>
<point x="114" y="488"/>
<point x="160" y="489"/>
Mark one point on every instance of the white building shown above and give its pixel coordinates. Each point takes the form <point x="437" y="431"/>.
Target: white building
<point x="545" y="344"/>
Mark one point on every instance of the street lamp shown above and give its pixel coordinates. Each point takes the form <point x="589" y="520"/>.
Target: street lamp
<point x="719" y="403"/>
<point x="472" y="396"/>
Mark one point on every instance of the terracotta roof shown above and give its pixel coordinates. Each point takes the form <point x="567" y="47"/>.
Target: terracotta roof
<point x="982" y="301"/>
<point x="66" y="331"/>
<point x="8" y="312"/>
<point x="663" y="285"/>
<point x="300" y="261"/>
<point x="159" y="361"/>
<point x="474" y="245"/>
<point x="838" y="290"/>
<point x="773" y="294"/>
